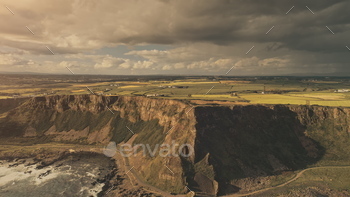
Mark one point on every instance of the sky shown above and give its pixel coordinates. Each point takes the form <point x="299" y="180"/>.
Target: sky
<point x="176" y="37"/>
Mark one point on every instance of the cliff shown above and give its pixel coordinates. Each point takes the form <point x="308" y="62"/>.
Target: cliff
<point x="90" y="119"/>
<point x="230" y="143"/>
<point x="257" y="141"/>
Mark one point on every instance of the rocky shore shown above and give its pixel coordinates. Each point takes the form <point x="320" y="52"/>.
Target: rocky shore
<point x="90" y="174"/>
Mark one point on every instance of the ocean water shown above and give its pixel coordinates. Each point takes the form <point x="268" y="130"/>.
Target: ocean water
<point x="76" y="175"/>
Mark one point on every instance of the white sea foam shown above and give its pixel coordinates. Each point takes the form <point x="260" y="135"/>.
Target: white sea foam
<point x="16" y="180"/>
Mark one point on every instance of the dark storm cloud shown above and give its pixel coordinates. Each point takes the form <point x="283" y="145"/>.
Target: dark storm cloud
<point x="228" y="22"/>
<point x="211" y="35"/>
<point x="222" y="22"/>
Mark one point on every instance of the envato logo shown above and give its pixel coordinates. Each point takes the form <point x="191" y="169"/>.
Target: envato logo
<point x="163" y="150"/>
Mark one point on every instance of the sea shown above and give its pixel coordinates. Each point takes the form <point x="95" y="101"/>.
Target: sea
<point x="76" y="175"/>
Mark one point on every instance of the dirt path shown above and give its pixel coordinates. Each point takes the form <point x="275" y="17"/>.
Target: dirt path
<point x="285" y="183"/>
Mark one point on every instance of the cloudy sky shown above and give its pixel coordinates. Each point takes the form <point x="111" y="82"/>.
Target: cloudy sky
<point x="191" y="37"/>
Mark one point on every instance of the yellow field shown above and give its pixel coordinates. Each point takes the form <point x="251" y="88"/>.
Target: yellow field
<point x="125" y="93"/>
<point x="74" y="91"/>
<point x="89" y="84"/>
<point x="299" y="92"/>
<point x="215" y="96"/>
<point x="235" y="82"/>
<point x="324" y="96"/>
<point x="300" y="99"/>
<point x="186" y="83"/>
<point x="20" y="90"/>
<point x="129" y="86"/>
<point x="274" y="99"/>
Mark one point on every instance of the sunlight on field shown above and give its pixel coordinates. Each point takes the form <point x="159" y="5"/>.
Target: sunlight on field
<point x="91" y="84"/>
<point x="74" y="91"/>
<point x="274" y="99"/>
<point x="136" y="83"/>
<point x="129" y="86"/>
<point x="325" y="96"/>
<point x="186" y="83"/>
<point x="235" y="82"/>
<point x="300" y="99"/>
<point x="237" y="90"/>
<point x="212" y="96"/>
<point x="125" y="93"/>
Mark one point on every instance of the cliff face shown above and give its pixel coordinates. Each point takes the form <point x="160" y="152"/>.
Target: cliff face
<point x="257" y="140"/>
<point x="134" y="109"/>
<point x="91" y="103"/>
<point x="98" y="120"/>
<point x="230" y="143"/>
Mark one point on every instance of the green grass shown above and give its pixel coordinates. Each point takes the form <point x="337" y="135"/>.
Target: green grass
<point x="282" y="178"/>
<point x="335" y="178"/>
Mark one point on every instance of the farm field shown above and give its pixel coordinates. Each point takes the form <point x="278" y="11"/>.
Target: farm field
<point x="325" y="91"/>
